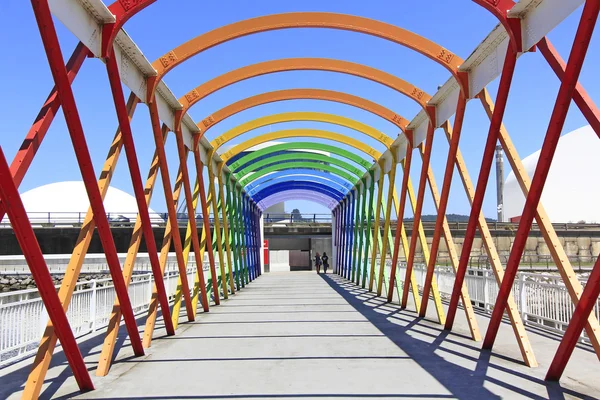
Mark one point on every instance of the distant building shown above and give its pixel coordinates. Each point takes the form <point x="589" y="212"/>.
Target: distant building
<point x="572" y="192"/>
<point x="67" y="202"/>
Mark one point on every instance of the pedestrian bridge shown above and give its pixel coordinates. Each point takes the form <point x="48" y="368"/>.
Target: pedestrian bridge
<point x="391" y="321"/>
<point x="303" y="335"/>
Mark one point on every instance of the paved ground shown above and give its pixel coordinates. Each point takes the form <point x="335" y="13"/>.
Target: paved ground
<point x="300" y="335"/>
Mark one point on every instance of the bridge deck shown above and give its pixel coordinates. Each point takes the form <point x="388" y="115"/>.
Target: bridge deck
<point x="300" y="335"/>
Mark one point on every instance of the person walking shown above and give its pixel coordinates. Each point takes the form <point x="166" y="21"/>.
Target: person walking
<point x="318" y="263"/>
<point x="325" y="262"/>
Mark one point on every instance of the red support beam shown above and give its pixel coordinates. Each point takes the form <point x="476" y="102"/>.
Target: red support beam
<point x="418" y="210"/>
<point x="400" y="215"/>
<point x="138" y="188"/>
<point x="206" y="221"/>
<point x="59" y="73"/>
<point x="500" y="8"/>
<point x="38" y="130"/>
<point x="484" y="173"/>
<point x="441" y="213"/>
<point x="39" y="270"/>
<point x="557" y="120"/>
<point x="122" y="10"/>
<point x="580" y="96"/>
<point x="584" y="308"/>
<point x="181" y="151"/>
<point x="164" y="174"/>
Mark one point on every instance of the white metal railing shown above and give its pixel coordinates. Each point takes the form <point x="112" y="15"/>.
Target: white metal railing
<point x="23" y="318"/>
<point x="542" y="299"/>
<point x="94" y="263"/>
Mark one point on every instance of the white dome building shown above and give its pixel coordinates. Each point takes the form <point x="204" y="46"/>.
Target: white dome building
<point x="571" y="193"/>
<point x="67" y="202"/>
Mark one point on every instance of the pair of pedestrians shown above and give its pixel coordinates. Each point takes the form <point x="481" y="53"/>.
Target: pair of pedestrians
<point x="321" y="261"/>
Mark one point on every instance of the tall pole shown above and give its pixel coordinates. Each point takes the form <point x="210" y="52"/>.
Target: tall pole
<point x="500" y="182"/>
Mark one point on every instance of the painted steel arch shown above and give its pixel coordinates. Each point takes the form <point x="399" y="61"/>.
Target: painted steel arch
<point x="293" y="133"/>
<point x="299" y="64"/>
<point x="250" y="157"/>
<point x="298" y="185"/>
<point x="380" y="29"/>
<point x="304" y="175"/>
<point x="302" y="116"/>
<point x="294" y="94"/>
<point x="284" y="159"/>
<point x="295" y="195"/>
<point x="300" y="164"/>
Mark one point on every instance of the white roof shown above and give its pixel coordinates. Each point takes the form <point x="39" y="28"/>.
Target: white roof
<point x="62" y="201"/>
<point x="571" y="193"/>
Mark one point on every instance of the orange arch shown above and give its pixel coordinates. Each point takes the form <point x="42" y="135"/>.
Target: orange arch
<point x="295" y="64"/>
<point x="353" y="23"/>
<point x="293" y="94"/>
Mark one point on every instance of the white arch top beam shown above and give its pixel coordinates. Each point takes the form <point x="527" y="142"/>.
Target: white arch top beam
<point x="84" y="18"/>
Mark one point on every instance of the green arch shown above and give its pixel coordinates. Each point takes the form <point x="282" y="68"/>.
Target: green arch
<point x="297" y="165"/>
<point x="295" y="158"/>
<point x="301" y="146"/>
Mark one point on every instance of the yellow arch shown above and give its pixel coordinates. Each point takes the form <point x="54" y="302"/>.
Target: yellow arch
<point x="294" y="94"/>
<point x="312" y="133"/>
<point x="302" y="116"/>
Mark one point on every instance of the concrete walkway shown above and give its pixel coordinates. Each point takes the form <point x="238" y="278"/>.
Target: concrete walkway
<point x="301" y="335"/>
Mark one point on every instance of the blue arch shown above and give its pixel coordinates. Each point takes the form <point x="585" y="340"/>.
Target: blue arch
<point x="317" y="187"/>
<point x="299" y="176"/>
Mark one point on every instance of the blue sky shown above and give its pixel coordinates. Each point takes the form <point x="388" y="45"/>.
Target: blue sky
<point x="458" y="26"/>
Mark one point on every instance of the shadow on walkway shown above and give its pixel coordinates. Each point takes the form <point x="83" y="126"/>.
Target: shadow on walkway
<point x="464" y="383"/>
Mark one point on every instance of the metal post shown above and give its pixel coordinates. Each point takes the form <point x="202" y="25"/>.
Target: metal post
<point x="361" y="229"/>
<point x="233" y="231"/>
<point x="584" y="308"/>
<point x="138" y="187"/>
<point x="441" y="209"/>
<point x="368" y="233"/>
<point x="336" y="215"/>
<point x="486" y="165"/>
<point x="206" y="220"/>
<point x="400" y="215"/>
<point x="93" y="302"/>
<point x="355" y="233"/>
<point x="376" y="230"/>
<point x="417" y="219"/>
<point x="43" y="120"/>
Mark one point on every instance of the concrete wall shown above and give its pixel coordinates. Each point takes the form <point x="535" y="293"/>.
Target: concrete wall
<point x="581" y="246"/>
<point x="279" y="250"/>
<point x="582" y="243"/>
<point x="62" y="240"/>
